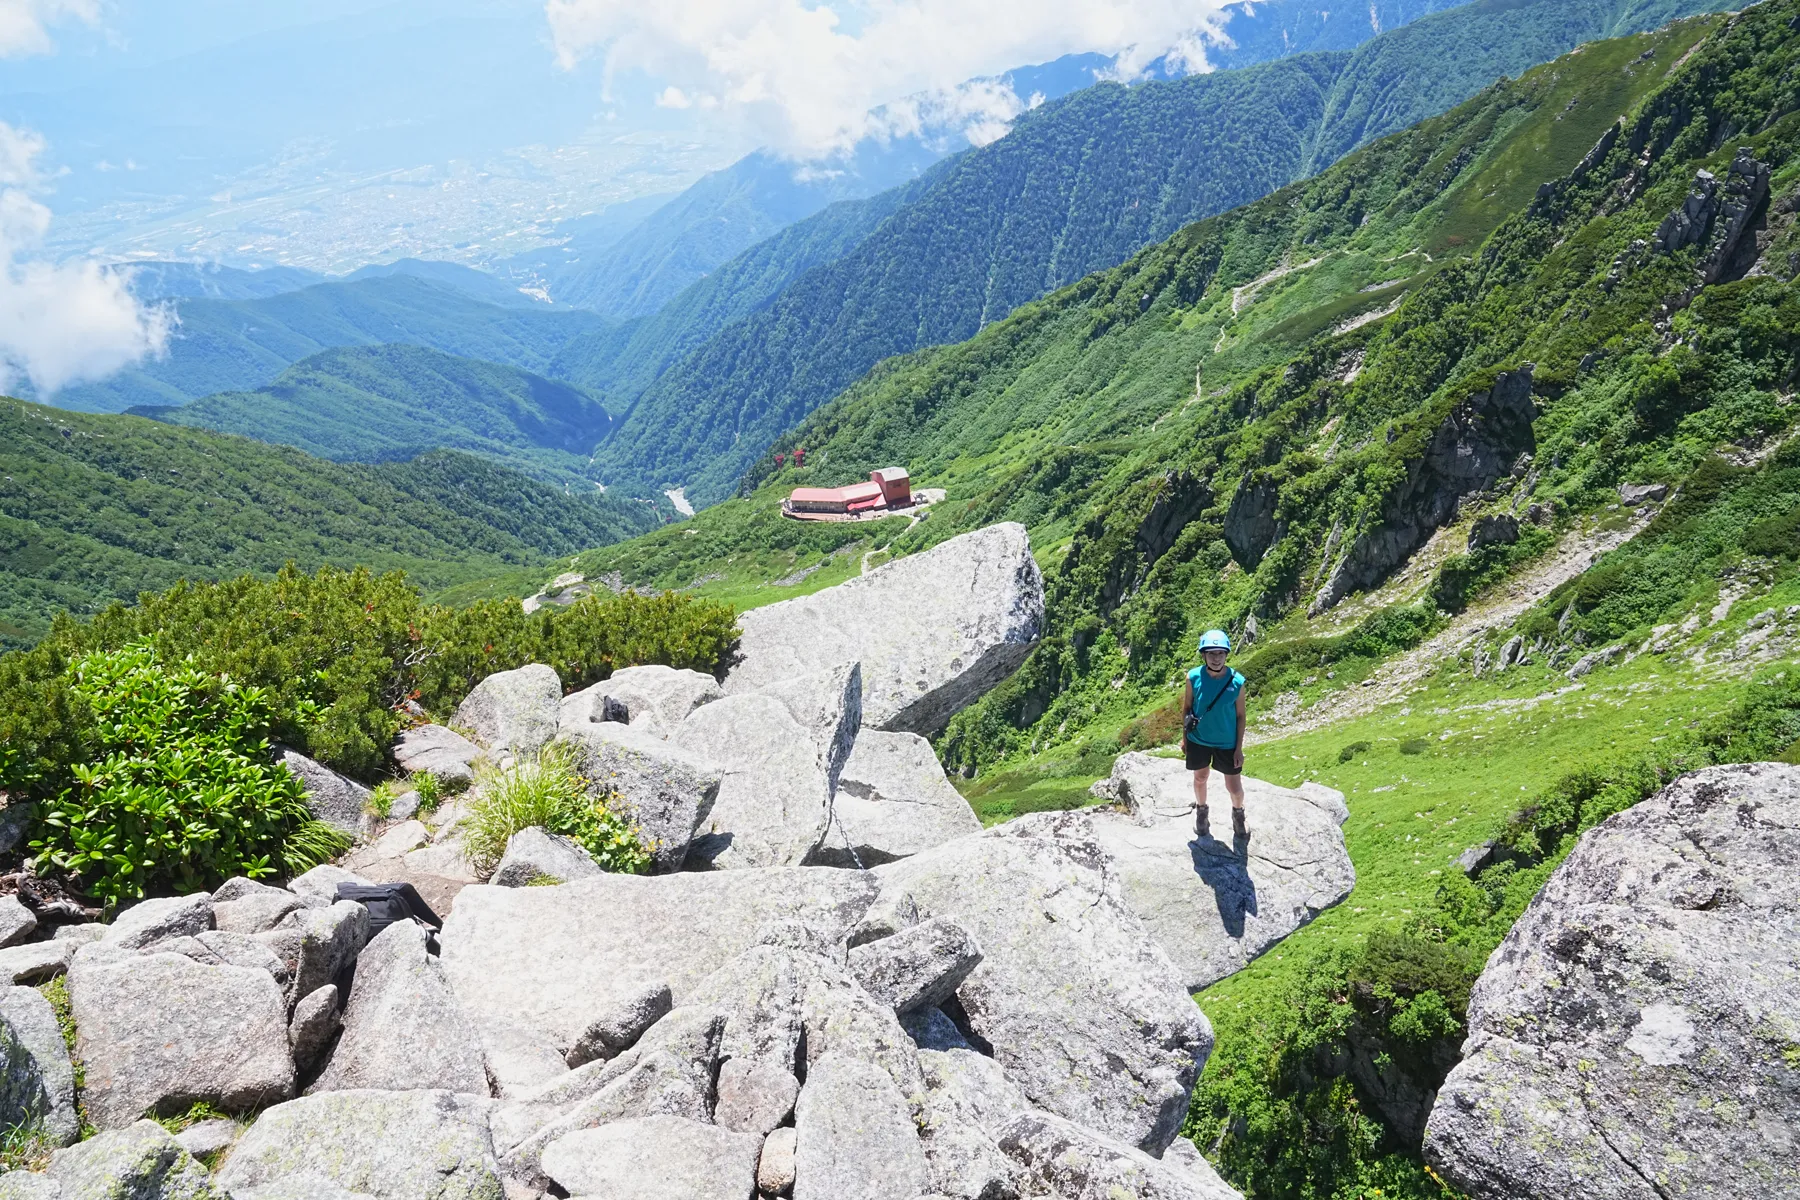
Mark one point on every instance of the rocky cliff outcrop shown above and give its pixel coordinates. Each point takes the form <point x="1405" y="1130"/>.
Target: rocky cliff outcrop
<point x="1477" y="443"/>
<point x="1716" y="215"/>
<point x="1635" y="1034"/>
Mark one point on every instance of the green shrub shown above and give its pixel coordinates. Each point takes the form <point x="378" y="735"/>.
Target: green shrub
<point x="381" y="800"/>
<point x="546" y="791"/>
<point x="180" y="790"/>
<point x="1415" y="745"/>
<point x="1352" y="750"/>
<point x="337" y="653"/>
<point x="1154" y="729"/>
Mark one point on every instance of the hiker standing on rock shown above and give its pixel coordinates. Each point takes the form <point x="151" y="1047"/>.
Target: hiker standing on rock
<point x="1214" y="703"/>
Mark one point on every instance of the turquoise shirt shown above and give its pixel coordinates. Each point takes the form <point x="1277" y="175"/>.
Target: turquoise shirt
<point x="1218" y="727"/>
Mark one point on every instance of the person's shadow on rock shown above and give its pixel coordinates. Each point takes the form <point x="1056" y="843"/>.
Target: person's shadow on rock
<point x="1225" y="870"/>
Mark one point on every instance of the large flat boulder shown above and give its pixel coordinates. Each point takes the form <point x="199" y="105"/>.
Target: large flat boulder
<point x="139" y="1162"/>
<point x="334" y="799"/>
<point x="667" y="791"/>
<point x="1634" y="1034"/>
<point x="1081" y="1007"/>
<point x="774" y="801"/>
<point x="654" y="699"/>
<point x="1215" y="905"/>
<point x="159" y="1032"/>
<point x="414" y="1145"/>
<point x="1060" y="1158"/>
<point x="37" y="1081"/>
<point x="514" y="711"/>
<point x="893" y="801"/>
<point x="828" y="706"/>
<point x="443" y="752"/>
<point x="655" y="1158"/>
<point x="559" y="957"/>
<point x="856" y="1135"/>
<point x="535" y="854"/>
<point x="933" y="632"/>
<point x="403" y="1029"/>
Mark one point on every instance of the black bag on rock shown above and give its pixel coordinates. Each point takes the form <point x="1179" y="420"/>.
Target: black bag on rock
<point x="391" y="902"/>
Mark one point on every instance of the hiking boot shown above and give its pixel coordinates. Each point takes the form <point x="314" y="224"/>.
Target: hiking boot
<point x="1200" y="825"/>
<point x="1238" y="827"/>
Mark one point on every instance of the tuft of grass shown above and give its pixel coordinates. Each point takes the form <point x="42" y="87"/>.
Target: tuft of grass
<point x="200" y="1111"/>
<point x="542" y="880"/>
<point x="1415" y="745"/>
<point x="430" y="790"/>
<point x="25" y="1148"/>
<point x="381" y="801"/>
<point x="312" y="843"/>
<point x="547" y="791"/>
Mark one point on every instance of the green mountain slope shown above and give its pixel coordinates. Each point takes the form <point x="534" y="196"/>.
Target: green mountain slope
<point x="620" y="361"/>
<point x="224" y="345"/>
<point x="99" y="508"/>
<point x="1075" y="187"/>
<point x="374" y="403"/>
<point x="1471" y="328"/>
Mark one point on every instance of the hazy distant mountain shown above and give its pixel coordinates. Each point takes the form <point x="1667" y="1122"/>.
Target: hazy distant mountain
<point x="237" y="345"/>
<point x="378" y="403"/>
<point x="152" y="281"/>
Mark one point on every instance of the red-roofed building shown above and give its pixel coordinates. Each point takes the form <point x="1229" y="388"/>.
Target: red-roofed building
<point x="889" y="488"/>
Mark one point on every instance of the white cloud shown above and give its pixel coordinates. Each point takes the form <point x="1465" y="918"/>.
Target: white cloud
<point x="812" y="80"/>
<point x="59" y="323"/>
<point x="24" y="24"/>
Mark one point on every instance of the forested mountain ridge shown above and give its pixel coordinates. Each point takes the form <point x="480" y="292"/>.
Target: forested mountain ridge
<point x="1077" y="186"/>
<point x="379" y="403"/>
<point x="100" y="508"/>
<point x="236" y="345"/>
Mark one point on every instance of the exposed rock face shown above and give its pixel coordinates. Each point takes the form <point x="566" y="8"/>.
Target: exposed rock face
<point x="828" y="705"/>
<point x="158" y="1032"/>
<point x="152" y="921"/>
<point x="668" y="792"/>
<point x="1632" y="1037"/>
<point x="255" y="912"/>
<point x="16" y="921"/>
<point x="141" y="1162"/>
<point x="1716" y="216"/>
<point x="403" y="1029"/>
<point x="430" y="1145"/>
<point x="920" y="967"/>
<point x="1212" y="905"/>
<point x="558" y="957"/>
<point x="654" y="699"/>
<point x="448" y="755"/>
<point x="533" y="854"/>
<point x="774" y="801"/>
<point x="932" y="632"/>
<point x="1250" y="527"/>
<point x="514" y="711"/>
<point x="35" y="962"/>
<point x="856" y="1135"/>
<point x="655" y="1158"/>
<point x="330" y="940"/>
<point x="615" y="1029"/>
<point x="315" y="1019"/>
<point x="1085" y="1013"/>
<point x="1062" y="1159"/>
<point x="1495" y="529"/>
<point x="334" y="799"/>
<point x="1477" y="443"/>
<point x="37" y="1081"/>
<point x="893" y="801"/>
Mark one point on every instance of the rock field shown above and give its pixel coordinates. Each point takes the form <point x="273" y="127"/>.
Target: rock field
<point x="835" y="985"/>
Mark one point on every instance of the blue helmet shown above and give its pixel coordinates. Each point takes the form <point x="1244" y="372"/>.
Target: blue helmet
<point x="1214" y="639"/>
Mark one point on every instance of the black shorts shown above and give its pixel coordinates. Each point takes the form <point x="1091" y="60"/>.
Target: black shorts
<point x="1199" y="758"/>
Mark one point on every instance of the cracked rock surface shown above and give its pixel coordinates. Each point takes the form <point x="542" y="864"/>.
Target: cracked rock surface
<point x="1633" y="1036"/>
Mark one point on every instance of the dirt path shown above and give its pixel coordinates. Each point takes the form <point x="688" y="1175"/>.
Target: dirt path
<point x="1397" y="677"/>
<point x="1241" y="296"/>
